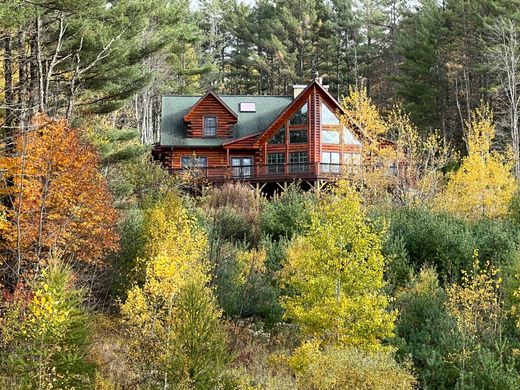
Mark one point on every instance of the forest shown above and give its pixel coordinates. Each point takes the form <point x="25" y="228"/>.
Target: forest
<point x="115" y="274"/>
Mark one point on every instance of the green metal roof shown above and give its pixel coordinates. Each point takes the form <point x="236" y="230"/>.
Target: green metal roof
<point x="173" y="129"/>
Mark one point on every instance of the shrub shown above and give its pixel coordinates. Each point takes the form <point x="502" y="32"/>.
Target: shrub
<point x="288" y="214"/>
<point x="424" y="331"/>
<point x="347" y="368"/>
<point x="232" y="213"/>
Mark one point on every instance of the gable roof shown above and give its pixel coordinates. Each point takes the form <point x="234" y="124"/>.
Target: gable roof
<point x="300" y="101"/>
<point x="175" y="108"/>
<point x="208" y="94"/>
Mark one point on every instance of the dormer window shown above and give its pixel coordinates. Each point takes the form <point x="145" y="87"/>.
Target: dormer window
<point x="210" y="126"/>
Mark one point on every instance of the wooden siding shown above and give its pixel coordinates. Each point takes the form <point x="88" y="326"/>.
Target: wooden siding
<point x="210" y="106"/>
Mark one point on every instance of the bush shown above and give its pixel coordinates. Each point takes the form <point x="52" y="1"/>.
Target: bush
<point x="244" y="284"/>
<point x="288" y="214"/>
<point x="232" y="213"/>
<point x="446" y="242"/>
<point x="424" y="331"/>
<point x="347" y="368"/>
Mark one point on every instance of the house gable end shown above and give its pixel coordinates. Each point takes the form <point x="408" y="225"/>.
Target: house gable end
<point x="210" y="106"/>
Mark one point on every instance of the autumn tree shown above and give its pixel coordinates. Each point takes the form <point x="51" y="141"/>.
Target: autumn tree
<point x="372" y="176"/>
<point x="483" y="186"/>
<point x="419" y="159"/>
<point x="57" y="199"/>
<point x="476" y="306"/>
<point x="335" y="275"/>
<point x="173" y="325"/>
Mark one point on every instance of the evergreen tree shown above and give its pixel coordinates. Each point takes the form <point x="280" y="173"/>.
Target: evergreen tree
<point x="44" y="335"/>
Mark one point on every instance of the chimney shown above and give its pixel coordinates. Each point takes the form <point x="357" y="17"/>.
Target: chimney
<point x="297" y="89"/>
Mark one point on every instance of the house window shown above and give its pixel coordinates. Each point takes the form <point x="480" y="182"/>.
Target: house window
<point x="210" y="126"/>
<point x="300" y="117"/>
<point x="298" y="162"/>
<point x="330" y="162"/>
<point x="330" y="137"/>
<point x="242" y="166"/>
<point x="298" y="136"/>
<point x="278" y="137"/>
<point x="275" y="162"/>
<point x="348" y="138"/>
<point x="194" y="162"/>
<point x="352" y="161"/>
<point x="328" y="117"/>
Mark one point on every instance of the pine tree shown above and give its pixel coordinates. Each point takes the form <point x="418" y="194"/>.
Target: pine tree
<point x="44" y="335"/>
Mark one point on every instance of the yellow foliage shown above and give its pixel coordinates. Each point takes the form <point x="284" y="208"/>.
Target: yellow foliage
<point x="420" y="159"/>
<point x="335" y="274"/>
<point x="347" y="368"/>
<point x="483" y="186"/>
<point x="475" y="303"/>
<point x="172" y="321"/>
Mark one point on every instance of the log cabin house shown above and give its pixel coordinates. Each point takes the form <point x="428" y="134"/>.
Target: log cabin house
<point x="258" y="139"/>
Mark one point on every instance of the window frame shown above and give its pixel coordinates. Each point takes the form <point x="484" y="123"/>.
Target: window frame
<point x="204" y="126"/>
<point x="330" y="167"/>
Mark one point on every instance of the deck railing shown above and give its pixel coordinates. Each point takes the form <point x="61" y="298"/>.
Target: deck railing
<point x="270" y="171"/>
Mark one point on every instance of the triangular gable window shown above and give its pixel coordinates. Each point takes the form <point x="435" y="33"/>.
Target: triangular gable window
<point x="328" y="117"/>
<point x="278" y="137"/>
<point x="300" y="116"/>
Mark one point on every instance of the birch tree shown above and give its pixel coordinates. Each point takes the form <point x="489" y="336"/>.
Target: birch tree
<point x="505" y="60"/>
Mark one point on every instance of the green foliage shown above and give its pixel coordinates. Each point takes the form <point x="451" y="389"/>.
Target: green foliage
<point x="398" y="270"/>
<point x="334" y="276"/>
<point x="244" y="284"/>
<point x="44" y="335"/>
<point x="447" y="242"/>
<point x="423" y="331"/>
<point x="288" y="214"/>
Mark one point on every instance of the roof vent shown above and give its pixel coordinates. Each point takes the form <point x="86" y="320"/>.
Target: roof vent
<point x="247" y="107"/>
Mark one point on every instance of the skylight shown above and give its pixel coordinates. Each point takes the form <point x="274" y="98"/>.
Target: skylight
<point x="247" y="107"/>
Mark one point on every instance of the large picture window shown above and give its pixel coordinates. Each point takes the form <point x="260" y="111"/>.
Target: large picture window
<point x="210" y="126"/>
<point x="328" y="117"/>
<point x="298" y="136"/>
<point x="330" y="137"/>
<point x="330" y="162"/>
<point x="300" y="117"/>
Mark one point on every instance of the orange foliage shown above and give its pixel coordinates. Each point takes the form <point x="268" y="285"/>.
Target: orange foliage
<point x="58" y="197"/>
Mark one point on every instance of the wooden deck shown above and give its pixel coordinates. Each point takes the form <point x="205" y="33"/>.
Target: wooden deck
<point x="281" y="173"/>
